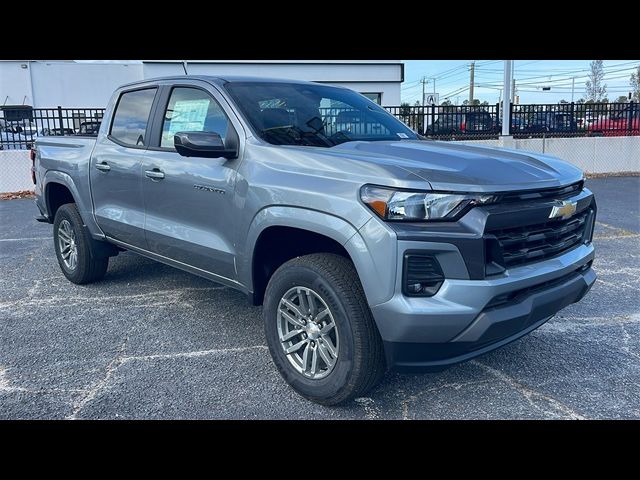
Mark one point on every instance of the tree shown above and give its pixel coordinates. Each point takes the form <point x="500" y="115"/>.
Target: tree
<point x="563" y="101"/>
<point x="405" y="109"/>
<point x="634" y="81"/>
<point x="446" y="103"/>
<point x="621" y="99"/>
<point x="596" y="90"/>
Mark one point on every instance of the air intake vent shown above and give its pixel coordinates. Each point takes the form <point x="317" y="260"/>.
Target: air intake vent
<point x="422" y="276"/>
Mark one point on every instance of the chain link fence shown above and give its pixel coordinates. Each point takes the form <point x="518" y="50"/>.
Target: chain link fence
<point x="15" y="171"/>
<point x="613" y="155"/>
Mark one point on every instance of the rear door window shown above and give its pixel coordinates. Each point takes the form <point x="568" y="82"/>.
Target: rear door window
<point x="131" y="117"/>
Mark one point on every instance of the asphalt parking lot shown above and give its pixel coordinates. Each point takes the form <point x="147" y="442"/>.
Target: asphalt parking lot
<point x="153" y="342"/>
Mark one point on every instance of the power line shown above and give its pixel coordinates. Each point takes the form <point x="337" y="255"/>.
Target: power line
<point x="444" y="74"/>
<point x="456" y="92"/>
<point x="566" y="79"/>
<point x="607" y="69"/>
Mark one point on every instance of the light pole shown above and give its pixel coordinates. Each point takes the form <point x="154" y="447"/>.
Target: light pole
<point x="506" y="98"/>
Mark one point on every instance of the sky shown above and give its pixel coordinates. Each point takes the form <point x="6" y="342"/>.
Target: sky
<point x="452" y="79"/>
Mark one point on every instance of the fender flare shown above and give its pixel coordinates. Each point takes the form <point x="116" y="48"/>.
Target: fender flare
<point x="84" y="207"/>
<point x="302" y="218"/>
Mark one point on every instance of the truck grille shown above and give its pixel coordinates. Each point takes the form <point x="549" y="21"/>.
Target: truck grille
<point x="531" y="243"/>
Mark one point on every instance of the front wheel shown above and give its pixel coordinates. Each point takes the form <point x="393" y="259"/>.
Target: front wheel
<point x="73" y="247"/>
<point x="320" y="331"/>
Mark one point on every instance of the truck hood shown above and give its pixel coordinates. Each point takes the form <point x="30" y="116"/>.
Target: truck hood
<point x="456" y="166"/>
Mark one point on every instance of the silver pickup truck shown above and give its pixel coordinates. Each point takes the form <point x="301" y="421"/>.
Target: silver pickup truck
<point x="368" y="246"/>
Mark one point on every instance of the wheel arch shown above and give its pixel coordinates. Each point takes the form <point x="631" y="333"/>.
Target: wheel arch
<point x="60" y="183"/>
<point x="278" y="234"/>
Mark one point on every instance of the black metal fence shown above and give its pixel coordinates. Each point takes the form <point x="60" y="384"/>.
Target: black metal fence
<point x="19" y="127"/>
<point x="575" y="119"/>
<point x="446" y="122"/>
<point x="527" y="121"/>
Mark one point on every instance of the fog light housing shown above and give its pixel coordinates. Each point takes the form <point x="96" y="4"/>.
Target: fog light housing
<point x="422" y="275"/>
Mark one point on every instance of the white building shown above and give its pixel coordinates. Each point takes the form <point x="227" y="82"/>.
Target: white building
<point x="70" y="84"/>
<point x="47" y="84"/>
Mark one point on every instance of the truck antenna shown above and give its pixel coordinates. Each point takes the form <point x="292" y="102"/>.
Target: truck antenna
<point x="184" y="66"/>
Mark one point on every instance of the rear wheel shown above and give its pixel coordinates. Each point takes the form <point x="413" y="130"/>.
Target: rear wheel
<point x="73" y="247"/>
<point x="320" y="331"/>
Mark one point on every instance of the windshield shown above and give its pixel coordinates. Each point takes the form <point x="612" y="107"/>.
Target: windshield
<point x="316" y="115"/>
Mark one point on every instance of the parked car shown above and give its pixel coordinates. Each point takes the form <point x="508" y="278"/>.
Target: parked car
<point x="446" y="124"/>
<point x="478" y="121"/>
<point x="463" y="123"/>
<point x="517" y="124"/>
<point x="351" y="122"/>
<point x="89" y="128"/>
<point x="368" y="249"/>
<point x="18" y="135"/>
<point x="625" y="122"/>
<point x="551" y="122"/>
<point x="57" y="131"/>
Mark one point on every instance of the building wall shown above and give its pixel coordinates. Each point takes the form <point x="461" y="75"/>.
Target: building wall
<point x="45" y="84"/>
<point x="69" y="84"/>
<point x="79" y="85"/>
<point x="15" y="86"/>
<point x="390" y="91"/>
<point x="384" y="77"/>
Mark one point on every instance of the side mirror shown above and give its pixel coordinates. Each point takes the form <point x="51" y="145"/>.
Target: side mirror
<point x="202" y="144"/>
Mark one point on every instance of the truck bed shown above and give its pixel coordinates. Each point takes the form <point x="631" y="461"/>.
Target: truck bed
<point x="67" y="154"/>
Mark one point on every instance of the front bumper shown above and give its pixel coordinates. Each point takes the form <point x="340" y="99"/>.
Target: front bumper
<point x="459" y="323"/>
<point x="472" y="314"/>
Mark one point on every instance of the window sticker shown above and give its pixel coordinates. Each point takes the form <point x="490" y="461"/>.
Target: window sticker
<point x="189" y="116"/>
<point x="403" y="135"/>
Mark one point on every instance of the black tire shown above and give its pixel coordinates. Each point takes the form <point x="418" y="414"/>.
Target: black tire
<point x="89" y="267"/>
<point x="360" y="362"/>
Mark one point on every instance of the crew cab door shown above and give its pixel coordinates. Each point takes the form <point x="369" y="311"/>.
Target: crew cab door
<point x="116" y="168"/>
<point x="189" y="200"/>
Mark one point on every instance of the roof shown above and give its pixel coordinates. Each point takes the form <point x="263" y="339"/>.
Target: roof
<point x="280" y="62"/>
<point x="219" y="80"/>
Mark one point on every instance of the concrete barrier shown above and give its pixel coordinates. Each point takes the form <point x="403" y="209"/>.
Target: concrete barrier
<point x="591" y="154"/>
<point x="15" y="171"/>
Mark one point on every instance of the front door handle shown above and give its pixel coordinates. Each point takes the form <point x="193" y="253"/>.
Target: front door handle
<point x="154" y="174"/>
<point x="103" y="167"/>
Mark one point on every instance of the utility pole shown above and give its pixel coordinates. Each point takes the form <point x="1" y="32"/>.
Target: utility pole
<point x="471" y="80"/>
<point x="506" y="98"/>
<point x="424" y="94"/>
<point x="513" y="90"/>
<point x="573" y="85"/>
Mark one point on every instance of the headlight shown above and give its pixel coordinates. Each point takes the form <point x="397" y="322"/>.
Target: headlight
<point x="416" y="206"/>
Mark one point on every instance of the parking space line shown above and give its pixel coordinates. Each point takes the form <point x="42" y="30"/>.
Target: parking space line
<point x="197" y="353"/>
<point x="554" y="407"/>
<point x="24" y="239"/>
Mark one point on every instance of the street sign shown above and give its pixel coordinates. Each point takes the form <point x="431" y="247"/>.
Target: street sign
<point x="432" y="99"/>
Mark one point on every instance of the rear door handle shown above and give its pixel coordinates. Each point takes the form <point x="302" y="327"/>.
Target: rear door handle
<point x="103" y="167"/>
<point x="154" y="174"/>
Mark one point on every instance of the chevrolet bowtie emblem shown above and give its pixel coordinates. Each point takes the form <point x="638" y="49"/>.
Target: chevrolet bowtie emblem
<point x="563" y="209"/>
